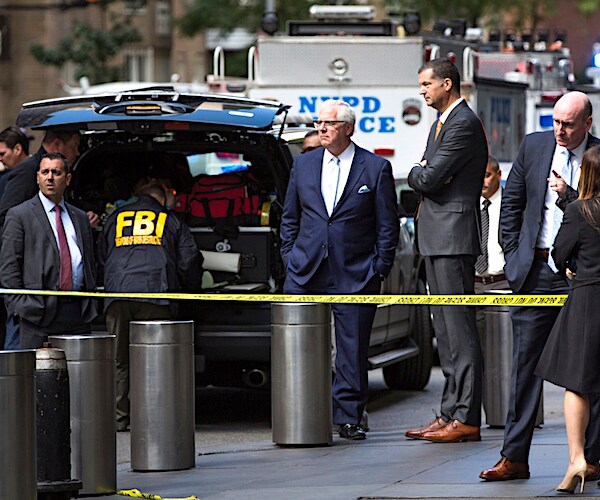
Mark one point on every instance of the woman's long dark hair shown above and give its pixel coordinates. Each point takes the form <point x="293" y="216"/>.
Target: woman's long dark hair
<point x="589" y="186"/>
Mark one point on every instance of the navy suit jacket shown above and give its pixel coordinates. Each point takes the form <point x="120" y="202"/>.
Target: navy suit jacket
<point x="360" y="237"/>
<point x="30" y="259"/>
<point x="522" y="210"/>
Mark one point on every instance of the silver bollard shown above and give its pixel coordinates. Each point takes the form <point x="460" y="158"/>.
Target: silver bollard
<point x="162" y="395"/>
<point x="301" y="374"/>
<point x="497" y="354"/>
<point x="91" y="367"/>
<point x="18" y="473"/>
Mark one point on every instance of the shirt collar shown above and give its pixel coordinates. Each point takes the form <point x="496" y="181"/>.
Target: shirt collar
<point x="49" y="204"/>
<point x="344" y="156"/>
<point x="579" y="150"/>
<point x="445" y="114"/>
<point x="495" y="198"/>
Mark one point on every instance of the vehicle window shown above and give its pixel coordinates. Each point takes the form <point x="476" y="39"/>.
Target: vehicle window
<point x="216" y="163"/>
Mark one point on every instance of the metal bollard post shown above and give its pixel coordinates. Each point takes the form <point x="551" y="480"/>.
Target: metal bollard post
<point x="301" y="374"/>
<point x="162" y="395"/>
<point x="497" y="353"/>
<point x="17" y="432"/>
<point x="91" y="366"/>
<point x="53" y="426"/>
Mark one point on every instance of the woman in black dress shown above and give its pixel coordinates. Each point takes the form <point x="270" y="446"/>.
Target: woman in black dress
<point x="571" y="356"/>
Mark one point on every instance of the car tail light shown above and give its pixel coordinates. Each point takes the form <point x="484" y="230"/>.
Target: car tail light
<point x="177" y="126"/>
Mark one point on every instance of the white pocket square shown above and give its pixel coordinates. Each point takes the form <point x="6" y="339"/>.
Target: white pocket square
<point x="364" y="189"/>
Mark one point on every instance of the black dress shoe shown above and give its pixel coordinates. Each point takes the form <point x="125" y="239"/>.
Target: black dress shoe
<point x="351" y="431"/>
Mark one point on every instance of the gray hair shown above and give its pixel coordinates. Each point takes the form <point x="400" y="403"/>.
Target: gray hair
<point x="344" y="112"/>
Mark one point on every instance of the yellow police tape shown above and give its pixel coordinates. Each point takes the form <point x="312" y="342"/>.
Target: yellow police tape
<point x="138" y="494"/>
<point x="442" y="300"/>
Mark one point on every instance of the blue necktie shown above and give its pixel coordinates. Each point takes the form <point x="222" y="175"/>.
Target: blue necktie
<point x="567" y="175"/>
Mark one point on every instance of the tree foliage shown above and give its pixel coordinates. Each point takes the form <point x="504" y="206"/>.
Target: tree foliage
<point x="230" y="14"/>
<point x="90" y="49"/>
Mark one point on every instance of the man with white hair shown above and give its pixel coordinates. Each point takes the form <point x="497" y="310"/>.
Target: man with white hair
<point x="339" y="233"/>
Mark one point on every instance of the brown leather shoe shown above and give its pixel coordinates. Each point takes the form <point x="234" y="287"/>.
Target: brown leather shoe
<point x="453" y="432"/>
<point x="505" y="470"/>
<point x="593" y="472"/>
<point x="435" y="425"/>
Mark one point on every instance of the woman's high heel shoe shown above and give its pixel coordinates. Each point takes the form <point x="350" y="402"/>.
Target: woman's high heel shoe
<point x="570" y="481"/>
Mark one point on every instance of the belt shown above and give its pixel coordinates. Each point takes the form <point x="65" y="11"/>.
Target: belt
<point x="542" y="254"/>
<point x="487" y="280"/>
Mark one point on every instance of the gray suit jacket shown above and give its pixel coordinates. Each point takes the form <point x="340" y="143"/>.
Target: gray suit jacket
<point x="29" y="259"/>
<point x="450" y="185"/>
<point x="523" y="201"/>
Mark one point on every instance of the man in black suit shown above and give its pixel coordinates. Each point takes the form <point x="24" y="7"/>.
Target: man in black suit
<point x="449" y="180"/>
<point x="339" y="233"/>
<point x="543" y="178"/>
<point x="47" y="245"/>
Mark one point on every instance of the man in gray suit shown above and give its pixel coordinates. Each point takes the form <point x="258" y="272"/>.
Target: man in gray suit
<point x="47" y="245"/>
<point x="449" y="180"/>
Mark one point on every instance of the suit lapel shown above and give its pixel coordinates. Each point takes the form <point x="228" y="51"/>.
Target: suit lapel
<point x="356" y="170"/>
<point x="75" y="222"/>
<point x="546" y="156"/>
<point x="317" y="174"/>
<point x="40" y="213"/>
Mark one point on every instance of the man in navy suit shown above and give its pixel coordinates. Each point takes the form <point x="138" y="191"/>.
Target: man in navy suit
<point x="543" y="179"/>
<point x="449" y="179"/>
<point x="339" y="233"/>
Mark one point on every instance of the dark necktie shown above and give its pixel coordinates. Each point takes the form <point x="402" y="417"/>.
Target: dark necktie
<point x="481" y="264"/>
<point x="66" y="273"/>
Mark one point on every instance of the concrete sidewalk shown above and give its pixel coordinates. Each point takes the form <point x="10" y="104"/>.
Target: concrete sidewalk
<point x="386" y="465"/>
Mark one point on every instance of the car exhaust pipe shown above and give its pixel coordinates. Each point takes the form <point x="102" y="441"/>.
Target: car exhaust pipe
<point x="255" y="378"/>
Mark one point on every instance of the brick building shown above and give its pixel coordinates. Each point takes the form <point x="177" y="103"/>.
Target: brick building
<point x="161" y="52"/>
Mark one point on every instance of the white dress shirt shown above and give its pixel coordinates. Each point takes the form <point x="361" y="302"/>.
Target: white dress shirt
<point x="495" y="253"/>
<point x="545" y="237"/>
<point x="76" y="257"/>
<point x="330" y="184"/>
<point x="444" y="116"/>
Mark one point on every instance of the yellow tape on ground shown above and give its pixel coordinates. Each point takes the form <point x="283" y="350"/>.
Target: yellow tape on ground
<point x="443" y="300"/>
<point x="138" y="494"/>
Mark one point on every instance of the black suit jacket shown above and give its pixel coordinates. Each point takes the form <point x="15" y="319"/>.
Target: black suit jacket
<point x="523" y="199"/>
<point x="450" y="185"/>
<point x="29" y="259"/>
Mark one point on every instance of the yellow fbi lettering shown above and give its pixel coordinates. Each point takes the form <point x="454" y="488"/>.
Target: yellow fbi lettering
<point x="146" y="228"/>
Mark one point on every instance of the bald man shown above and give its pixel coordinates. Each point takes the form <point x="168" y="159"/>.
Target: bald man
<point x="542" y="181"/>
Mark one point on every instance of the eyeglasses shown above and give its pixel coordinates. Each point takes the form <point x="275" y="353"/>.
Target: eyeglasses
<point x="327" y="123"/>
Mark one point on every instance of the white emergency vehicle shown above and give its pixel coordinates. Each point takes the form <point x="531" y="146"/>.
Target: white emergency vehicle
<point x="373" y="66"/>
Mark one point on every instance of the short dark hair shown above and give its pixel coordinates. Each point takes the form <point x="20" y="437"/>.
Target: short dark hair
<point x="154" y="190"/>
<point x="56" y="156"/>
<point x="443" y="68"/>
<point x="312" y="132"/>
<point x="494" y="163"/>
<point x="12" y="136"/>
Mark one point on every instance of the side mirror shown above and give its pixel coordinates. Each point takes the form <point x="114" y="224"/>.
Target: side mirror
<point x="409" y="201"/>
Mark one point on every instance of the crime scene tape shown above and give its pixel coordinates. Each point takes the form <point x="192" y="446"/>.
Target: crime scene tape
<point x="138" y="494"/>
<point x="438" y="300"/>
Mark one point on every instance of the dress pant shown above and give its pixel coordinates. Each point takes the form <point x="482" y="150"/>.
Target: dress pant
<point x="531" y="328"/>
<point x="353" y="324"/>
<point x="67" y="321"/>
<point x="457" y="337"/>
<point x="118" y="316"/>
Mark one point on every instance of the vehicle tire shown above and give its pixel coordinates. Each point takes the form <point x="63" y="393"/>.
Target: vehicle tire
<point x="413" y="373"/>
